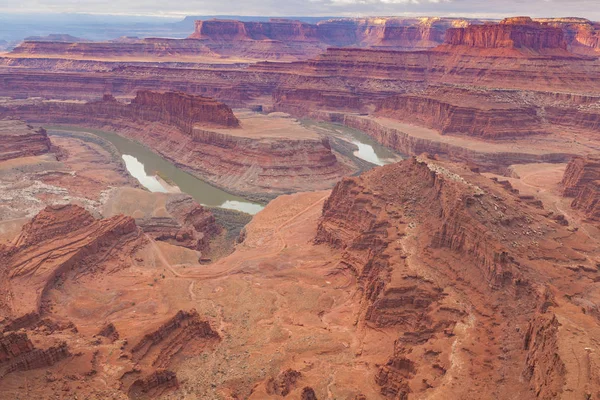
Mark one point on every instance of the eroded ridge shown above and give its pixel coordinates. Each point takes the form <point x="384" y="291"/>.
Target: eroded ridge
<point x="467" y="275"/>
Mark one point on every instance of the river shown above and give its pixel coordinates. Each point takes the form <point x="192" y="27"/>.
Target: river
<point x="158" y="175"/>
<point x="368" y="149"/>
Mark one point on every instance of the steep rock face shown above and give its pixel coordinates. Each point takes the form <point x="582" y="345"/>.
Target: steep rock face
<point x="511" y="33"/>
<point x="13" y="344"/>
<point x="461" y="111"/>
<point x="154" y="385"/>
<point x="191" y="225"/>
<point x="586" y="117"/>
<point x="58" y="240"/>
<point x="183" y="110"/>
<point x="417" y="234"/>
<point x="20" y="140"/>
<point x="582" y="181"/>
<point x="582" y="35"/>
<point x="178" y="109"/>
<point x="544" y="367"/>
<point x="276" y="29"/>
<point x="18" y="353"/>
<point x="397" y="33"/>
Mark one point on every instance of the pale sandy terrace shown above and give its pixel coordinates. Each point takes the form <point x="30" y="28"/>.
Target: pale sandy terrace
<point x="274" y="125"/>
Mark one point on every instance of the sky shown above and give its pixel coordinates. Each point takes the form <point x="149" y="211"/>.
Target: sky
<point x="469" y="8"/>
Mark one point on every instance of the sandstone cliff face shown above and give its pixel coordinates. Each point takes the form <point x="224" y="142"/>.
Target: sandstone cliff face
<point x="37" y="259"/>
<point x="393" y="33"/>
<point x="582" y="35"/>
<point x="183" y="110"/>
<point x="470" y="112"/>
<point x="419" y="235"/>
<point x="582" y="181"/>
<point x="280" y="30"/>
<point x="511" y="33"/>
<point x="20" y="140"/>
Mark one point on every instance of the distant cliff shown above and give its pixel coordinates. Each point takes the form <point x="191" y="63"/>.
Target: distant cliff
<point x="511" y="33"/>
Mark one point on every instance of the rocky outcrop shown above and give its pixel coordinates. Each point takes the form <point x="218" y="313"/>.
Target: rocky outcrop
<point x="61" y="239"/>
<point x="461" y="111"/>
<point x="582" y="35"/>
<point x="17" y="353"/>
<point x="411" y="234"/>
<point x="154" y="385"/>
<point x="283" y="383"/>
<point x="582" y="182"/>
<point x="110" y="332"/>
<point x="276" y="29"/>
<point x="544" y="367"/>
<point x="183" y="110"/>
<point x="13" y="344"/>
<point x="39" y="358"/>
<point x="308" y="393"/>
<point x="511" y="33"/>
<point x="177" y="109"/>
<point x="184" y="332"/>
<point x="20" y="140"/>
<point x="190" y="224"/>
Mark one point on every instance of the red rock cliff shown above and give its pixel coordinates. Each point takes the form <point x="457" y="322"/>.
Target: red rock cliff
<point x="182" y="109"/>
<point x="414" y="235"/>
<point x="461" y="111"/>
<point x="512" y="33"/>
<point x="582" y="181"/>
<point x="276" y="29"/>
<point x="20" y="140"/>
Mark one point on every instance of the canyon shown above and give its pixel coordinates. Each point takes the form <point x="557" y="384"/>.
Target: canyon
<point x="463" y="266"/>
<point x="259" y="156"/>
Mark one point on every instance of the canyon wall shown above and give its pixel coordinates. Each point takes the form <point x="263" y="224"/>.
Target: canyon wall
<point x="20" y="140"/>
<point x="461" y="111"/>
<point x="84" y="240"/>
<point x="437" y="231"/>
<point x="151" y="47"/>
<point x="511" y="33"/>
<point x="582" y="182"/>
<point x="582" y="35"/>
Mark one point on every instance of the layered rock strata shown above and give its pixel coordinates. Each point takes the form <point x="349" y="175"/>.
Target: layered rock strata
<point x="462" y="111"/>
<point x="582" y="182"/>
<point x="20" y="140"/>
<point x="511" y="33"/>
<point x="414" y="247"/>
<point x="38" y="259"/>
<point x="411" y="140"/>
